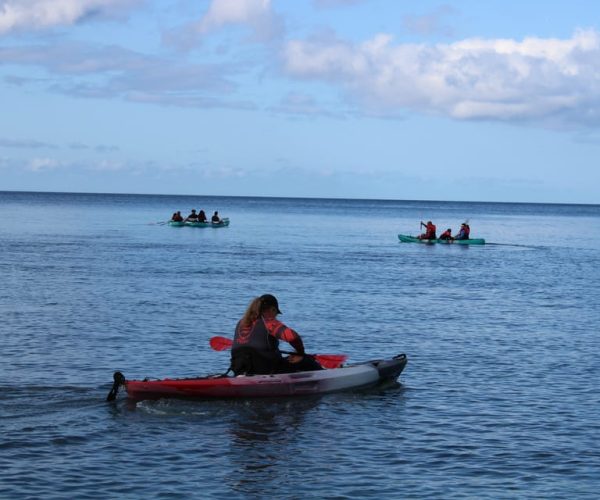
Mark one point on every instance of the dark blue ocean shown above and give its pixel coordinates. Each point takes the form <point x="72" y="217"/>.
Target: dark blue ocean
<point x="500" y="397"/>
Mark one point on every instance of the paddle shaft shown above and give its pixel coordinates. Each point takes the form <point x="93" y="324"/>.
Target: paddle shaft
<point x="326" y="360"/>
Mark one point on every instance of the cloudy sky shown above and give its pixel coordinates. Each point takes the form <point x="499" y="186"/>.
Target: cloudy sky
<point x="392" y="99"/>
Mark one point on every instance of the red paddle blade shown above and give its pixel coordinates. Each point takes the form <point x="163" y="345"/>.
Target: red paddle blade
<point x="220" y="343"/>
<point x="330" y="360"/>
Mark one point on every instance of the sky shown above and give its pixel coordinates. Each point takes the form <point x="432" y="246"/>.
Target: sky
<point x="375" y="99"/>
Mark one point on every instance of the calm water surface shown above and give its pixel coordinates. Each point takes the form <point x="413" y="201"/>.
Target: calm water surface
<point x="500" y="399"/>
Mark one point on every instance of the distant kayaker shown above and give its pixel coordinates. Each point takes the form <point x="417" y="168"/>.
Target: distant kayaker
<point x="215" y="217"/>
<point x="429" y="233"/>
<point x="255" y="349"/>
<point x="446" y="235"/>
<point x="464" y="232"/>
<point x="202" y="216"/>
<point x="177" y="217"/>
<point x="193" y="217"/>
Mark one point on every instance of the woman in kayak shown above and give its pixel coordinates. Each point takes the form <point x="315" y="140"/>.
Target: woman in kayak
<point x="202" y="216"/>
<point x="177" y="217"/>
<point x="255" y="349"/>
<point x="464" y="232"/>
<point x="429" y="233"/>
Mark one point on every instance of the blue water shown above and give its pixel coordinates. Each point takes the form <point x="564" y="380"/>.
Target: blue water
<point x="500" y="398"/>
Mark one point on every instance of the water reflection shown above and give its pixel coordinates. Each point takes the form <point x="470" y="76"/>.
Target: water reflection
<point x="265" y="436"/>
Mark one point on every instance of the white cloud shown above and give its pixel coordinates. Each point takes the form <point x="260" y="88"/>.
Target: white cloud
<point x="224" y="12"/>
<point x="534" y="79"/>
<point x="257" y="16"/>
<point x="108" y="166"/>
<point x="39" y="14"/>
<point x="25" y="144"/>
<point x="40" y="164"/>
<point x="89" y="71"/>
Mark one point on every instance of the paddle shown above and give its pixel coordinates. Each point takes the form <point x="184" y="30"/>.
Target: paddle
<point x="325" y="360"/>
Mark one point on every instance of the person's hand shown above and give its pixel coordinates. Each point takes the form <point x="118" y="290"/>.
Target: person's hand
<point x="294" y="358"/>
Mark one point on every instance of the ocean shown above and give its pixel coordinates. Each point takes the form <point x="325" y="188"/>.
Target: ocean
<point x="500" y="397"/>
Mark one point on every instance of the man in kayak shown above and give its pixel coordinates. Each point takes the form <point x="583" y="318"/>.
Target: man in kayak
<point x="193" y="217"/>
<point x="215" y="218"/>
<point x="255" y="349"/>
<point x="177" y="217"/>
<point x="429" y="233"/>
<point x="446" y="235"/>
<point x="464" y="232"/>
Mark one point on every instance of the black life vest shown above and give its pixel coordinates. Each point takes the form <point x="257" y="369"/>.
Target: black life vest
<point x="257" y="338"/>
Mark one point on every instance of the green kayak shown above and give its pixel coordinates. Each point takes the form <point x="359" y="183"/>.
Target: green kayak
<point x="176" y="223"/>
<point x="224" y="223"/>
<point x="413" y="239"/>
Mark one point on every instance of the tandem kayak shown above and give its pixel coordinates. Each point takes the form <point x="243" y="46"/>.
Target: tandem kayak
<point x="413" y="239"/>
<point x="354" y="376"/>
<point x="224" y="222"/>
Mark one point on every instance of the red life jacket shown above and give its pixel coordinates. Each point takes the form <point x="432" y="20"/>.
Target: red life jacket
<point x="430" y="232"/>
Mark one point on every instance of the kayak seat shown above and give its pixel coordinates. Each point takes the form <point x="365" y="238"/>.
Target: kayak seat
<point x="246" y="361"/>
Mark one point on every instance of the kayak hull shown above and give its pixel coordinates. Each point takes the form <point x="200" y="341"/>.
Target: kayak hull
<point x="176" y="223"/>
<point x="224" y="223"/>
<point x="404" y="238"/>
<point x="257" y="386"/>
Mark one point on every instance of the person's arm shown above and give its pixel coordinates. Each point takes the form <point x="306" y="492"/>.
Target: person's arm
<point x="282" y="332"/>
<point x="298" y="345"/>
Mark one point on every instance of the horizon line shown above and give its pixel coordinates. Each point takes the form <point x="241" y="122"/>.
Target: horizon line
<point x="303" y="198"/>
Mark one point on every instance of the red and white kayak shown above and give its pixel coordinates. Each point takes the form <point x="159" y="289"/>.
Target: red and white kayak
<point x="354" y="376"/>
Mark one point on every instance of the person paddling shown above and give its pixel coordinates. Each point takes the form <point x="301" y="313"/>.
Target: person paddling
<point x="215" y="218"/>
<point x="177" y="217"/>
<point x="255" y="349"/>
<point x="429" y="233"/>
<point x="202" y="216"/>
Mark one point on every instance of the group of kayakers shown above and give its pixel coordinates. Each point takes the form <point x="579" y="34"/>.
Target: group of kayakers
<point x="430" y="232"/>
<point x="195" y="217"/>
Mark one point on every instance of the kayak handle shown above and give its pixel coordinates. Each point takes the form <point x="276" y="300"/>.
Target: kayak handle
<point x="119" y="380"/>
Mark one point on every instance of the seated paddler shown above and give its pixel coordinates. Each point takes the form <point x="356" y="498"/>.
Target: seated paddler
<point x="255" y="349"/>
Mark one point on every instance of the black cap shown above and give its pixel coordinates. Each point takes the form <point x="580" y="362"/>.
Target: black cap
<point x="268" y="300"/>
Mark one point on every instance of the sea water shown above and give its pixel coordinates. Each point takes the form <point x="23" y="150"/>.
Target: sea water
<point x="500" y="397"/>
